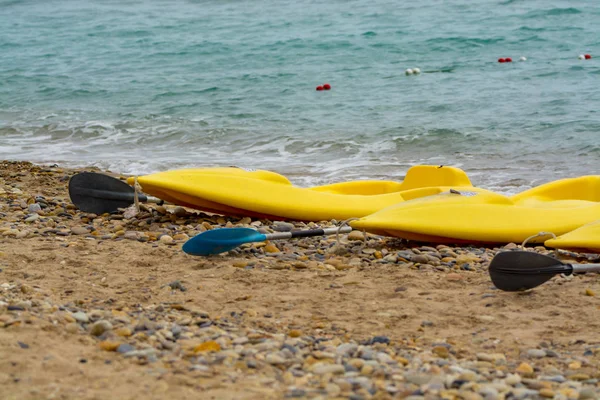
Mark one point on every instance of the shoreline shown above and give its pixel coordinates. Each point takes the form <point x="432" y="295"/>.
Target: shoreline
<point x="94" y="306"/>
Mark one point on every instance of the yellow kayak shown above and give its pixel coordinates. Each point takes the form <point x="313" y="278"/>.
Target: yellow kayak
<point x="485" y="217"/>
<point x="265" y="194"/>
<point x="586" y="238"/>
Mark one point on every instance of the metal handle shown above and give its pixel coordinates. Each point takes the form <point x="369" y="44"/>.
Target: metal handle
<point x="311" y="232"/>
<point x="579" y="268"/>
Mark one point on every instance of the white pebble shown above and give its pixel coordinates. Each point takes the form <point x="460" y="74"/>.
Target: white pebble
<point x="523" y="58"/>
<point x="417" y="70"/>
<point x="409" y="71"/>
<point x="581" y="57"/>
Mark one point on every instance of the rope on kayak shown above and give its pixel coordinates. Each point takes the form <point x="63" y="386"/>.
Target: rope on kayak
<point x="337" y="233"/>
<point x="536" y="236"/>
<point x="137" y="188"/>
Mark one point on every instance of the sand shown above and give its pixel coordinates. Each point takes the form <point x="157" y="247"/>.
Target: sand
<point x="290" y="319"/>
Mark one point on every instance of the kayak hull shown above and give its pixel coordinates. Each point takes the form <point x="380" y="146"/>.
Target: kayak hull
<point x="585" y="238"/>
<point x="233" y="191"/>
<point x="558" y="207"/>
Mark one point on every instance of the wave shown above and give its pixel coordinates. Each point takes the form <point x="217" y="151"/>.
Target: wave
<point x="552" y="12"/>
<point x="171" y="94"/>
<point x="461" y="42"/>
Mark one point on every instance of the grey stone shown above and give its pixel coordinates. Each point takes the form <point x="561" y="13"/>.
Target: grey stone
<point x="280" y="226"/>
<point x="328" y="369"/>
<point x="125" y="348"/>
<point x="420" y="258"/>
<point x="149" y="352"/>
<point x="418" y="379"/>
<point x="131" y="235"/>
<point x="588" y="393"/>
<point x="34" y="208"/>
<point x="79" y="230"/>
<point x="275" y="359"/>
<point x="536" y="353"/>
<point x="522" y="393"/>
<point x="489" y="393"/>
<point x="346" y="349"/>
<point x="366" y="353"/>
<point x="32" y="218"/>
<point x="81" y="317"/>
<point x="555" y="378"/>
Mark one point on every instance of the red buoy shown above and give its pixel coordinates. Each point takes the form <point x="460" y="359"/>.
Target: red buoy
<point x="319" y="88"/>
<point x="501" y="60"/>
<point x="587" y="56"/>
<point x="326" y="86"/>
<point x="508" y="59"/>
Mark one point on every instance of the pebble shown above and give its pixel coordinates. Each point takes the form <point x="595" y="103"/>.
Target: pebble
<point x="271" y="248"/>
<point x="125" y="348"/>
<point x="367" y="370"/>
<point x="99" y="327"/>
<point x="108" y="345"/>
<point x="356" y="236"/>
<point x="588" y="393"/>
<point x="141" y="353"/>
<point x="419" y="258"/>
<point x="417" y="379"/>
<point x="522" y="393"/>
<point x="166" y="239"/>
<point x="209" y="346"/>
<point x="294" y="333"/>
<point x="81" y="317"/>
<point x="547" y="393"/>
<point x="322" y="369"/>
<point x="131" y="235"/>
<point x="440" y="351"/>
<point x="73" y="327"/>
<point x="380" y="339"/>
<point x="536" y="353"/>
<point x="34" y="208"/>
<point x="79" y="230"/>
<point x="280" y="226"/>
<point x="346" y="349"/>
<point x="333" y="390"/>
<point x="32" y="218"/>
<point x="275" y="359"/>
<point x="514" y="379"/>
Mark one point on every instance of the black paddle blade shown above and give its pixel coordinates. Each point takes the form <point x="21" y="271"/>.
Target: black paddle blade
<point x="513" y="271"/>
<point x="98" y="193"/>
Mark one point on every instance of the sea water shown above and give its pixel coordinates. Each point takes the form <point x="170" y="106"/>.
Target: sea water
<point x="143" y="86"/>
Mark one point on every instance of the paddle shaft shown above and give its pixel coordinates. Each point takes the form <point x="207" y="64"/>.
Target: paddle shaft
<point x="580" y="268"/>
<point x="110" y="195"/>
<point x="308" y="233"/>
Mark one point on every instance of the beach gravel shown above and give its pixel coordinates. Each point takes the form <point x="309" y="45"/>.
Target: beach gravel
<point x="104" y="306"/>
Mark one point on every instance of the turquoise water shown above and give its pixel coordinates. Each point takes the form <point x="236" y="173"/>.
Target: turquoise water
<point x="141" y="86"/>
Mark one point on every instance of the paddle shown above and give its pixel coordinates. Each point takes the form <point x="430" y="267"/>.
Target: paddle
<point x="98" y="193"/>
<point x="521" y="270"/>
<point x="220" y="240"/>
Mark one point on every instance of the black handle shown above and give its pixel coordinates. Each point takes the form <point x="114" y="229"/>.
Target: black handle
<point x="108" y="195"/>
<point x="311" y="232"/>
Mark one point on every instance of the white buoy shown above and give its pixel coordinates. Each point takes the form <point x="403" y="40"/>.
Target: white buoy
<point x="417" y="70"/>
<point x="409" y="71"/>
<point x="523" y="58"/>
<point x="581" y="57"/>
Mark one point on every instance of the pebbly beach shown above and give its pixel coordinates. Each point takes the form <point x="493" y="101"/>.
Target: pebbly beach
<point x="109" y="306"/>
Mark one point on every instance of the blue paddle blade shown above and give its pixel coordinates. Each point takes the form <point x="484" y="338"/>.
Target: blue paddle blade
<point x="220" y="240"/>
